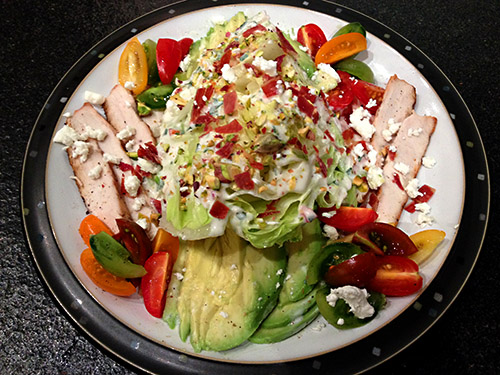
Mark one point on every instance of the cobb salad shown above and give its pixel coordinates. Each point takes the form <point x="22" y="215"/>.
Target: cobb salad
<point x="246" y="182"/>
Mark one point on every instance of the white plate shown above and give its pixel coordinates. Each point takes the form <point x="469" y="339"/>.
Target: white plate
<point x="66" y="208"/>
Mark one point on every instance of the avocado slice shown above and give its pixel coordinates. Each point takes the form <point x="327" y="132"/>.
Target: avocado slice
<point x="228" y="288"/>
<point x="285" y="314"/>
<point x="269" y="335"/>
<point x="300" y="255"/>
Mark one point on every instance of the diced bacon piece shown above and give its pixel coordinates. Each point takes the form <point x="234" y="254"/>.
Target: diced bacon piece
<point x="226" y="150"/>
<point x="233" y="127"/>
<point x="285" y="44"/>
<point x="254" y="30"/>
<point x="121" y="112"/>
<point x="272" y="87"/>
<point x="244" y="181"/>
<point x="391" y="198"/>
<point x="230" y="100"/>
<point x="88" y="116"/>
<point x="225" y="59"/>
<point x="219" y="210"/>
<point x="397" y="104"/>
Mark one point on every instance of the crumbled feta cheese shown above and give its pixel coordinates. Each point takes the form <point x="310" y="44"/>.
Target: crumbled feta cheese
<point x="391" y="129"/>
<point x="412" y="188"/>
<point x="386" y="134"/>
<point x="423" y="207"/>
<point x="129" y="85"/>
<point x="81" y="149"/>
<point x="328" y="214"/>
<point x="94" y="98"/>
<point x="95" y="173"/>
<point x="223" y="314"/>
<point x="278" y="285"/>
<point x="180" y="276"/>
<point x="267" y="66"/>
<point x="108" y="158"/>
<point x="402" y="168"/>
<point x="126" y="133"/>
<point x="185" y="63"/>
<point x="303" y="48"/>
<point x="340" y="322"/>
<point x="148" y="166"/>
<point x="371" y="103"/>
<point x="66" y="136"/>
<point x="360" y="121"/>
<point x="423" y="220"/>
<point x="355" y="297"/>
<point x="331" y="232"/>
<point x="143" y="223"/>
<point x="393" y="148"/>
<point x="318" y="327"/>
<point x="415" y="132"/>
<point x="98" y="134"/>
<point x="372" y="157"/>
<point x="233" y="267"/>
<point x="279" y="272"/>
<point x="138" y="203"/>
<point x="325" y="77"/>
<point x="375" y="177"/>
<point x="359" y="150"/>
<point x="129" y="146"/>
<point x="428" y="162"/>
<point x="132" y="184"/>
<point x="66" y="114"/>
<point x="228" y="74"/>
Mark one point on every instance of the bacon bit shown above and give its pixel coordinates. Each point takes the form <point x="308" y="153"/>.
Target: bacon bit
<point x="304" y="149"/>
<point x="322" y="166"/>
<point x="348" y="135"/>
<point x="149" y="152"/>
<point x="124" y="167"/>
<point x="264" y="130"/>
<point x="201" y="93"/>
<point x="156" y="204"/>
<point x="226" y="150"/>
<point x="279" y="62"/>
<point x="207" y="118"/>
<point x="306" y="106"/>
<point x="244" y="181"/>
<point x="232" y="45"/>
<point x="233" y="127"/>
<point x="397" y="180"/>
<point x="256" y="165"/>
<point x="329" y="162"/>
<point x="219" y="210"/>
<point x="426" y="194"/>
<point x="391" y="154"/>
<point x="230" y="100"/>
<point x="327" y="133"/>
<point x="271" y="87"/>
<point x="225" y="58"/>
<point x="316" y="149"/>
<point x="285" y="44"/>
<point x="254" y="30"/>
<point x="373" y="200"/>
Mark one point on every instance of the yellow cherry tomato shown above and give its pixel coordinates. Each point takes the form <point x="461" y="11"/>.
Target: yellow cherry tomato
<point x="133" y="67"/>
<point x="426" y="242"/>
<point x="340" y="47"/>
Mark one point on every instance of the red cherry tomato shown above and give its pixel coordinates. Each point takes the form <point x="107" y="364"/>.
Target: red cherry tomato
<point x="155" y="283"/>
<point x="395" y="276"/>
<point x="348" y="219"/>
<point x="365" y="91"/>
<point x="387" y="238"/>
<point x="312" y="37"/>
<point x="357" y="271"/>
<point x="184" y="45"/>
<point x="168" y="59"/>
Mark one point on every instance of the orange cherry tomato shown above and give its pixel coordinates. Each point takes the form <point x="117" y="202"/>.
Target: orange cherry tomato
<point x="164" y="241"/>
<point x="340" y="47"/>
<point x="104" y="279"/>
<point x="133" y="66"/>
<point x="91" y="225"/>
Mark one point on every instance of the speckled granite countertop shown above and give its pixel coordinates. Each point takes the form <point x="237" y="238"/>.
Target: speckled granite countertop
<point x="40" y="42"/>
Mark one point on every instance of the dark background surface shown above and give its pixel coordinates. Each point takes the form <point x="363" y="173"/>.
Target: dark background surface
<point x="41" y="41"/>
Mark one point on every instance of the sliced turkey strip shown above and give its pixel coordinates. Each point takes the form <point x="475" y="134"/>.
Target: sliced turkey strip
<point x="97" y="184"/>
<point x="87" y="117"/>
<point x="397" y="104"/>
<point x="411" y="144"/>
<point x="121" y="112"/>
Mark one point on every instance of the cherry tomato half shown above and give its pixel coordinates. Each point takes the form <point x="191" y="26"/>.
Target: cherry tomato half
<point x="135" y="240"/>
<point x="357" y="271"/>
<point x="168" y="58"/>
<point x="164" y="241"/>
<point x="365" y="91"/>
<point x="184" y="45"/>
<point x="348" y="219"/>
<point x="155" y="283"/>
<point x="340" y="47"/>
<point x="312" y="37"/>
<point x="133" y="66"/>
<point x="382" y="237"/>
<point x="341" y="96"/>
<point x="396" y="276"/>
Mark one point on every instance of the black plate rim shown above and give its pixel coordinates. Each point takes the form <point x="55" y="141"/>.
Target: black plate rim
<point x="143" y="353"/>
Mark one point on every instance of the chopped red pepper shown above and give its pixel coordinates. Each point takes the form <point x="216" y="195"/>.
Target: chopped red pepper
<point x="397" y="180"/>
